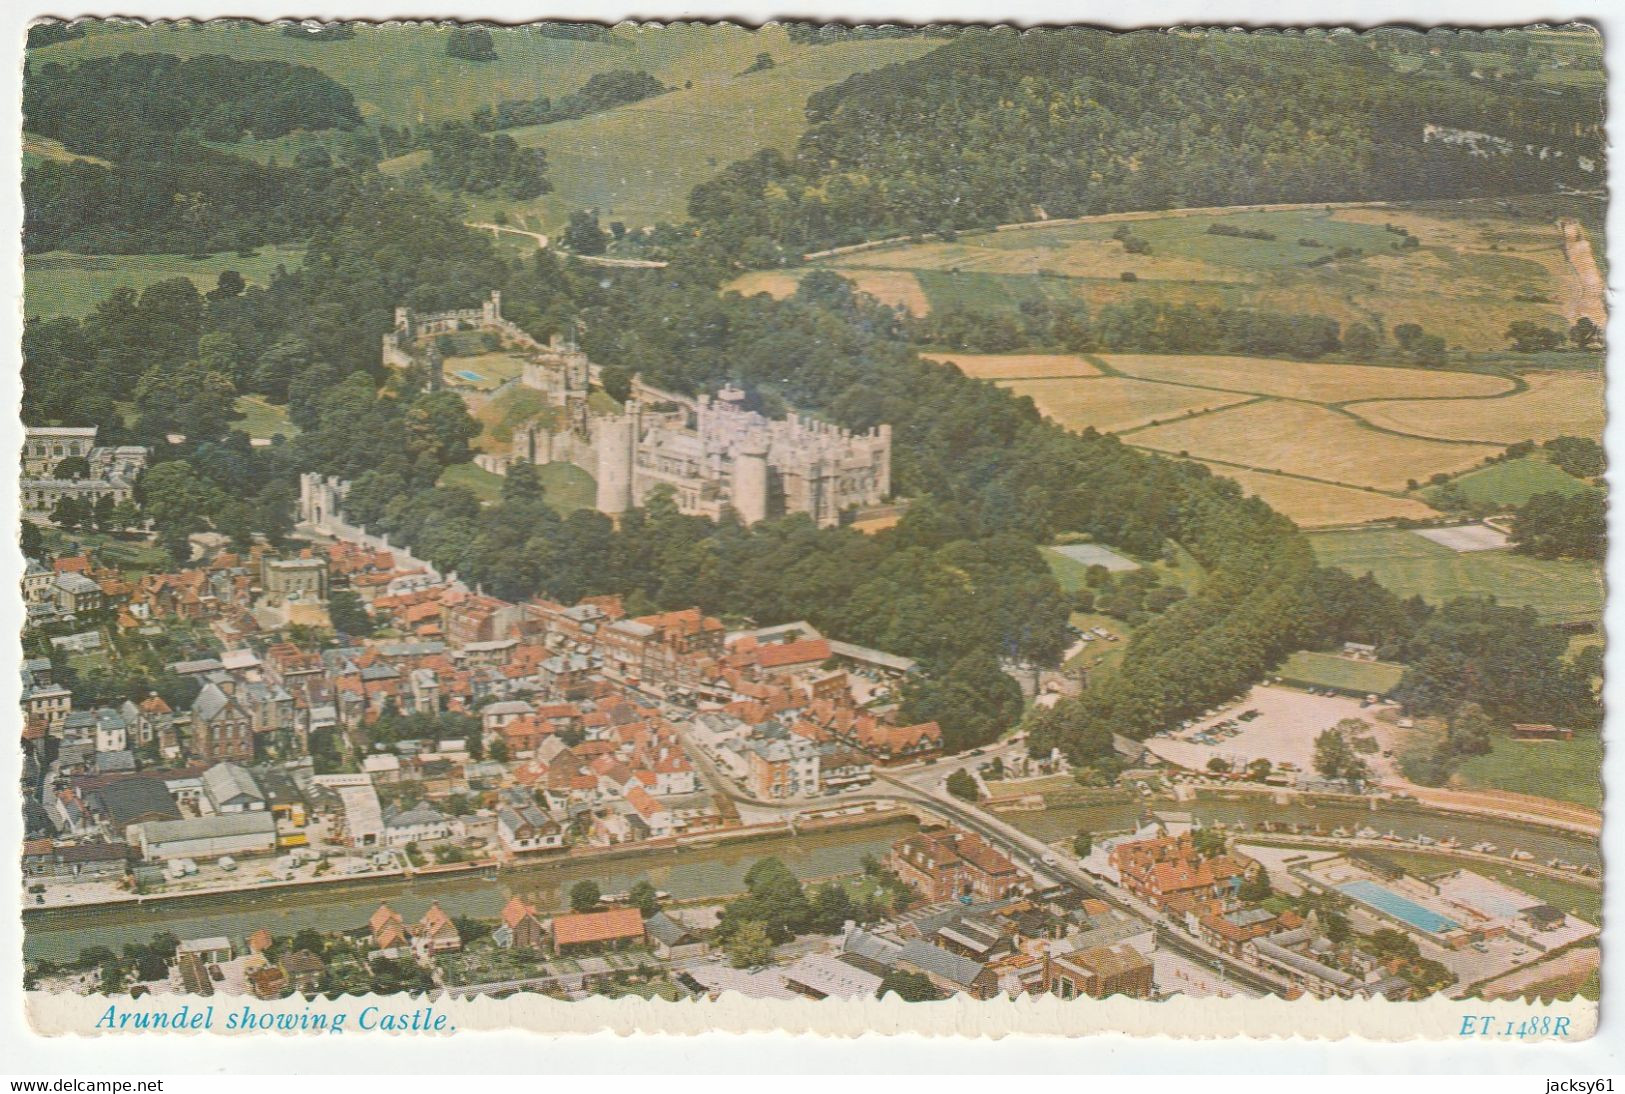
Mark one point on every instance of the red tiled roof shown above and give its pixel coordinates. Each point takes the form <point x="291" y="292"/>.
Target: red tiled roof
<point x="793" y="653"/>
<point x="606" y="926"/>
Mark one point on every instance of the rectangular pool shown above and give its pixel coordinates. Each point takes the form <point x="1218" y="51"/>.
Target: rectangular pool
<point x="1390" y="902"/>
<point x="471" y="377"/>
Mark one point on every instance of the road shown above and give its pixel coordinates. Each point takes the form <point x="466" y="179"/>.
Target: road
<point x="596" y="260"/>
<point x="921" y="787"/>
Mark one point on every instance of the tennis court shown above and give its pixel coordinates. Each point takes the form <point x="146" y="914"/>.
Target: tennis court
<point x="1093" y="554"/>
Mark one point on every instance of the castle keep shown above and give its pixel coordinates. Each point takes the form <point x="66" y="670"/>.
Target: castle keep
<point x="711" y="451"/>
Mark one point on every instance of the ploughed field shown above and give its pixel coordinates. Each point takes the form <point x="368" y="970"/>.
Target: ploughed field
<point x="1327" y="443"/>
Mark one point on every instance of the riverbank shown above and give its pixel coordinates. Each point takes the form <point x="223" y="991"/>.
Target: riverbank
<point x="487" y="866"/>
<point x="715" y="871"/>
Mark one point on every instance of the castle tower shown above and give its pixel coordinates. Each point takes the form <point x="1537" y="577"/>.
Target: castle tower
<point x="750" y="481"/>
<point x="616" y="438"/>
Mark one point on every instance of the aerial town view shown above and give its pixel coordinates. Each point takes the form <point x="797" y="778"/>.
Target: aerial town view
<point x="811" y="512"/>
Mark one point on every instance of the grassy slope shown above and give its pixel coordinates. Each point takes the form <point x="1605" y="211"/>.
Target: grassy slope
<point x="263" y="419"/>
<point x="566" y="487"/>
<point x="59" y="283"/>
<point x="1409" y="564"/>
<point x="1516" y="481"/>
<point x="401" y="75"/>
<point x="638" y="163"/>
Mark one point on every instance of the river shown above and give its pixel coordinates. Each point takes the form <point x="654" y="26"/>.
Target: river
<point x="1061" y="821"/>
<point x="692" y="873"/>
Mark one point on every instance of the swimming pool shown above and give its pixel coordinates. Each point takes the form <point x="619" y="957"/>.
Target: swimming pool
<point x="1390" y="902"/>
<point x="472" y="377"/>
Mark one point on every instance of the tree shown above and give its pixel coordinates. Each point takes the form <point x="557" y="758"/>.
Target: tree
<point x="585" y="896"/>
<point x="1470" y="732"/>
<point x="230" y="283"/>
<point x="911" y="987"/>
<point x="70" y="512"/>
<point x="749" y="946"/>
<point x="583" y="235"/>
<point x="645" y="898"/>
<point x="1082" y="844"/>
<point x="1259" y="770"/>
<point x="74" y="467"/>
<point x="1585" y="334"/>
<point x="962" y="785"/>
<point x="1218" y="765"/>
<point x="471" y="44"/>
<point x="1528" y="336"/>
<point x="1256" y="886"/>
<point x="1208" y="842"/>
<point x="1335" y="757"/>
<point x="1581" y="457"/>
<point x="348" y="614"/>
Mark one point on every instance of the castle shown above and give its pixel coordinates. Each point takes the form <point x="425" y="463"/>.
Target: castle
<point x="712" y="452"/>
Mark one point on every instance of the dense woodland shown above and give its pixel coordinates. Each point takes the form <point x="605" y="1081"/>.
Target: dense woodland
<point x="149" y="183"/>
<point x="998" y="126"/>
<point x="960" y="583"/>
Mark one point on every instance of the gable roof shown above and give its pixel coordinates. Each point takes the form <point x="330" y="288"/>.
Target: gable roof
<point x="605" y="926"/>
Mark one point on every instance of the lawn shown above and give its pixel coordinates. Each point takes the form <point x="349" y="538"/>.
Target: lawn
<point x="565" y="486"/>
<point x="1309" y="440"/>
<point x="484" y="372"/>
<point x="1514" y="482"/>
<point x="1328" y="670"/>
<point x="1411" y="565"/>
<point x="1312" y="381"/>
<point x="60" y="283"/>
<point x="1568" y="403"/>
<point x="1569" y="771"/>
<point x="263" y="419"/>
<point x="1322" y="505"/>
<point x="1112" y="404"/>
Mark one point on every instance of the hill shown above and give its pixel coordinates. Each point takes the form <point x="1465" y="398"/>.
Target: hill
<point x="638" y="163"/>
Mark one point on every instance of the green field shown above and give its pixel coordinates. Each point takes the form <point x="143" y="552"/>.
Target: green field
<point x="263" y="419"/>
<point x="400" y="75"/>
<point x="636" y="164"/>
<point x="1515" y="482"/>
<point x="1328" y="670"/>
<point x="59" y="283"/>
<point x="1476" y="267"/>
<point x="565" y="486"/>
<point x="1411" y="565"/>
<point x="1566" y="770"/>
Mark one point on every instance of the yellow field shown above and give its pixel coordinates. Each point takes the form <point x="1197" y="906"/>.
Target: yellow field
<point x="1303" y="439"/>
<point x="776" y="284"/>
<point x="1317" y="382"/>
<point x="892" y="287"/>
<point x="1017" y="366"/>
<point x="1556" y="404"/>
<point x="1111" y="404"/>
<point x="1319" y="505"/>
<point x="1053" y="255"/>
